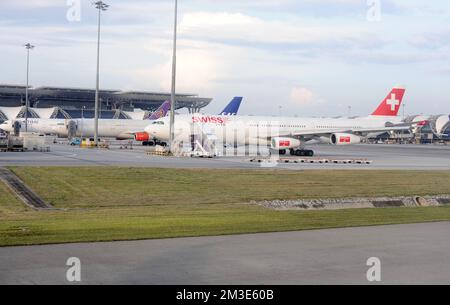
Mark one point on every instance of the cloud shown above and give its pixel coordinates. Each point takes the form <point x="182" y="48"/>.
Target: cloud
<point x="244" y="30"/>
<point x="197" y="70"/>
<point x="315" y="8"/>
<point x="433" y="40"/>
<point x="260" y="49"/>
<point x="30" y="4"/>
<point x="302" y="96"/>
<point x="384" y="57"/>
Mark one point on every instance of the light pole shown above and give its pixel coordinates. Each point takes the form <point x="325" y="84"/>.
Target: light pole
<point x="82" y="121"/>
<point x="29" y="47"/>
<point x="101" y="6"/>
<point x="174" y="77"/>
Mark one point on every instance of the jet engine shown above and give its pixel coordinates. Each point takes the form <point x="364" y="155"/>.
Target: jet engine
<point x="285" y="143"/>
<point x="141" y="137"/>
<point x="324" y="140"/>
<point x="344" y="139"/>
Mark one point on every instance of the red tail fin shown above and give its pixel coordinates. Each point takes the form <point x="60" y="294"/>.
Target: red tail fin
<point x="391" y="104"/>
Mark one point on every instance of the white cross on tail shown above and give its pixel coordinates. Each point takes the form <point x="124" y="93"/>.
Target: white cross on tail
<point x="393" y="102"/>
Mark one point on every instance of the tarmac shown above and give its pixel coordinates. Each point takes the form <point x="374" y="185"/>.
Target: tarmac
<point x="409" y="254"/>
<point x="387" y="157"/>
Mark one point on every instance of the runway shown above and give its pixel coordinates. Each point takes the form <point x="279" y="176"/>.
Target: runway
<point x="388" y="157"/>
<point x="409" y="254"/>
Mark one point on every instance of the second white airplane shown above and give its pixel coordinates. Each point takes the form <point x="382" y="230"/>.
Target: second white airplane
<point x="107" y="128"/>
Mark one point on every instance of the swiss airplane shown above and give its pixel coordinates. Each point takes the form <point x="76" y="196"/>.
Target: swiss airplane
<point x="107" y="128"/>
<point x="285" y="134"/>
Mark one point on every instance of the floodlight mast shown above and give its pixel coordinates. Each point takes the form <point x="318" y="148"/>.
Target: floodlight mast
<point x="101" y="7"/>
<point x="174" y="77"/>
<point x="29" y="47"/>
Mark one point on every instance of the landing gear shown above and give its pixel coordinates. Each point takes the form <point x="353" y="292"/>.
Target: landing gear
<point x="152" y="143"/>
<point x="294" y="152"/>
<point x="148" y="143"/>
<point x="302" y="153"/>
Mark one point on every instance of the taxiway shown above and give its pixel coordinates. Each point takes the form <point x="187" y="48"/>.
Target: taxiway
<point x="409" y="254"/>
<point x="384" y="157"/>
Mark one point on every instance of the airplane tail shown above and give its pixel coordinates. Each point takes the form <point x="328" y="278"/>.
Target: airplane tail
<point x="161" y="112"/>
<point x="233" y="107"/>
<point x="391" y="104"/>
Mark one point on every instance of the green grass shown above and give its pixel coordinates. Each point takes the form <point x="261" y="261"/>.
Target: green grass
<point x="115" y="187"/>
<point x="104" y="204"/>
<point x="9" y="204"/>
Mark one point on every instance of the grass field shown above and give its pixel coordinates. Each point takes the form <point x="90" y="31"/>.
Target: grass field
<point x="103" y="204"/>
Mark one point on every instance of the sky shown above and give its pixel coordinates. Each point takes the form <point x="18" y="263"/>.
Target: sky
<point x="288" y="57"/>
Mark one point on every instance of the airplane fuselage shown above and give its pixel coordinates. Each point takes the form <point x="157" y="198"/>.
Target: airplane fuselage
<point x="84" y="127"/>
<point x="252" y="130"/>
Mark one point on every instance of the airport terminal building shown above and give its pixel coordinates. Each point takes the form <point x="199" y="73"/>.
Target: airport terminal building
<point x="77" y="103"/>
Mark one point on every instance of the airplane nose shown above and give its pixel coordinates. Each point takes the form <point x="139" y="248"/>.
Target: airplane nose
<point x="4" y="127"/>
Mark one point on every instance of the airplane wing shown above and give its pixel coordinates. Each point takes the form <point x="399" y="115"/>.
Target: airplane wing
<point x="360" y="132"/>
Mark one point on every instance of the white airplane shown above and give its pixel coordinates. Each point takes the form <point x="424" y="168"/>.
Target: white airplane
<point x="107" y="128"/>
<point x="120" y="129"/>
<point x="284" y="134"/>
